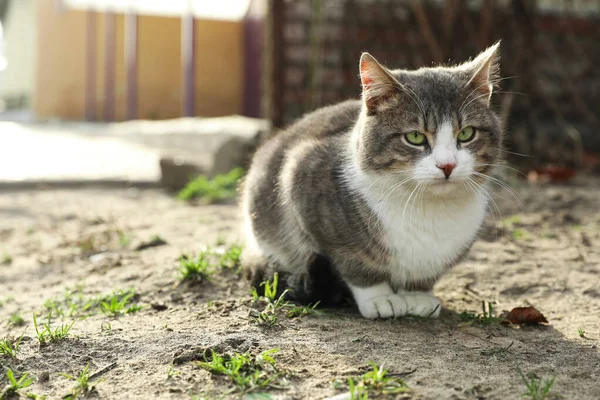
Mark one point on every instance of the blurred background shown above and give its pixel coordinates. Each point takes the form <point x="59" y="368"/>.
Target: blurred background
<point x="80" y="67"/>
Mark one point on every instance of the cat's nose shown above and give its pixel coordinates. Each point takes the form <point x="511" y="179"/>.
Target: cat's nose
<point x="447" y="168"/>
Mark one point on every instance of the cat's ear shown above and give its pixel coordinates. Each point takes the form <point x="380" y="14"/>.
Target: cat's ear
<point x="484" y="72"/>
<point x="378" y="85"/>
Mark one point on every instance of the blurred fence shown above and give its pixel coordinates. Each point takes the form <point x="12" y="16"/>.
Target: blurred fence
<point x="550" y="97"/>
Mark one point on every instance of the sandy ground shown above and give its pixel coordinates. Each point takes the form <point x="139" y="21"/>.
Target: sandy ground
<point x="83" y="241"/>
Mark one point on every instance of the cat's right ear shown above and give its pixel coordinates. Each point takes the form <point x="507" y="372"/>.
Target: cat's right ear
<point x="378" y="85"/>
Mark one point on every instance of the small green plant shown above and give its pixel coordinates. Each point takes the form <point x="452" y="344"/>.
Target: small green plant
<point x="119" y="304"/>
<point x="199" y="269"/>
<point x="49" y="334"/>
<point x="271" y="293"/>
<point x="580" y="332"/>
<point x="220" y="241"/>
<point x="82" y="387"/>
<point x="231" y="258"/>
<point x="171" y="372"/>
<point x="376" y="382"/>
<point x="484" y="319"/>
<point x="10" y="347"/>
<point x="124" y="239"/>
<point x="213" y="190"/>
<point x="300" y="311"/>
<point x="34" y="396"/>
<point x="16" y="319"/>
<point x="5" y="300"/>
<point x="248" y="373"/>
<point x="76" y="304"/>
<point x="265" y="318"/>
<point x="536" y="389"/>
<point x="519" y="234"/>
<point x="6" y="259"/>
<point x="15" y="384"/>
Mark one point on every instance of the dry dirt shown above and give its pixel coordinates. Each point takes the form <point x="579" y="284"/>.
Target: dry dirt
<point x="546" y="255"/>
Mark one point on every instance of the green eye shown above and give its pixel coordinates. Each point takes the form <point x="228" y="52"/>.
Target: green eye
<point x="466" y="134"/>
<point x="416" y="138"/>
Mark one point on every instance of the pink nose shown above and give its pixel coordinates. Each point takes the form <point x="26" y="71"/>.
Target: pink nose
<point x="447" y="168"/>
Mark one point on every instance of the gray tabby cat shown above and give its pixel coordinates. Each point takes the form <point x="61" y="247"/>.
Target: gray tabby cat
<point x="382" y="194"/>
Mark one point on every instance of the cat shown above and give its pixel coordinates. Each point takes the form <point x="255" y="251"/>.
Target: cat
<point x="378" y="196"/>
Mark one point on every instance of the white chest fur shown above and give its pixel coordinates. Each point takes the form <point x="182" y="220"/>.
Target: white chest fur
<point x="425" y="233"/>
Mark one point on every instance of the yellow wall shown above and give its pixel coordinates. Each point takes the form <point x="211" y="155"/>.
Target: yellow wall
<point x="61" y="66"/>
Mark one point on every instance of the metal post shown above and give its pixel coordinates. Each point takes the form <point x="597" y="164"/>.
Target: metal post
<point x="90" y="70"/>
<point x="109" y="65"/>
<point x="188" y="59"/>
<point x="131" y="62"/>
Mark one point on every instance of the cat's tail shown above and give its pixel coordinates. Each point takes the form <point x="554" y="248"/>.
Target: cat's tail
<point x="319" y="283"/>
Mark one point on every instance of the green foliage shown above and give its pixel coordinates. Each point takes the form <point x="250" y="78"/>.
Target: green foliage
<point x="484" y="319"/>
<point x="536" y="390"/>
<point x="231" y="258"/>
<point x="213" y="190"/>
<point x="6" y="259"/>
<point x="75" y="304"/>
<point x="15" y="384"/>
<point x="119" y="304"/>
<point x="16" y="319"/>
<point x="301" y="311"/>
<point x="49" y="334"/>
<point x="10" y="347"/>
<point x="274" y="303"/>
<point x="376" y="382"/>
<point x="246" y="372"/>
<point x="580" y="332"/>
<point x="82" y="387"/>
<point x="208" y="263"/>
<point x="199" y="269"/>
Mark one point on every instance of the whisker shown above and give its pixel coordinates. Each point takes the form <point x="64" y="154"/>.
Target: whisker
<point x="503" y="185"/>
<point x="501" y="166"/>
<point x="516" y="154"/>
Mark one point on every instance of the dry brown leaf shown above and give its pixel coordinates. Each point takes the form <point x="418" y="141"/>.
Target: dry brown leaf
<point x="524" y="316"/>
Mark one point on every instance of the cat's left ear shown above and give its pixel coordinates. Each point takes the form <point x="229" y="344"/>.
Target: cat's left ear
<point x="484" y="72"/>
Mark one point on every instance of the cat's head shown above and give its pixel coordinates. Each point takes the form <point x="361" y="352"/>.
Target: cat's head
<point x="433" y="125"/>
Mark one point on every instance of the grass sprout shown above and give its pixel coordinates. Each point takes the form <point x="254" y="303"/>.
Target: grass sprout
<point x="49" y="334"/>
<point x="199" y="269"/>
<point x="16" y="319"/>
<point x="536" y="389"/>
<point x="209" y="191"/>
<point x="82" y="386"/>
<point x="15" y="384"/>
<point x="5" y="259"/>
<point x="484" y="319"/>
<point x="376" y="382"/>
<point x="248" y="373"/>
<point x="10" y="347"/>
<point x="119" y="304"/>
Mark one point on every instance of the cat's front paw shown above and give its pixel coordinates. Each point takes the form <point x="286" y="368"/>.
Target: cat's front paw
<point x="383" y="306"/>
<point x="423" y="304"/>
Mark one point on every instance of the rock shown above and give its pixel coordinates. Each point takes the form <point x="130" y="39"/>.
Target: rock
<point x="195" y="146"/>
<point x="44" y="376"/>
<point x="176" y="171"/>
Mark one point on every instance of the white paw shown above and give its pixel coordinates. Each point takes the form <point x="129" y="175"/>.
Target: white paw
<point x="422" y="304"/>
<point x="383" y="306"/>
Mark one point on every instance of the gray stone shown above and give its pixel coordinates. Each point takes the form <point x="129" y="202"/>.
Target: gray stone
<point x="169" y="151"/>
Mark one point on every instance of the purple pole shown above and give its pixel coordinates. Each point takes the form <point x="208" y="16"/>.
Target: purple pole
<point x="90" y="70"/>
<point x="188" y="58"/>
<point x="131" y="63"/>
<point x="253" y="45"/>
<point x="109" y="66"/>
